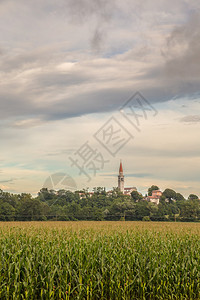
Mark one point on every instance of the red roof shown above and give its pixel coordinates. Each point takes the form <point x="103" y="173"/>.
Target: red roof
<point x="120" y="168"/>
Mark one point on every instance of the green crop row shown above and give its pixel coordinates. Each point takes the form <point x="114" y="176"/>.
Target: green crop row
<point x="46" y="262"/>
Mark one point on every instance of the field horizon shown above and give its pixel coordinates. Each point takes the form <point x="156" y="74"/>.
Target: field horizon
<point x="99" y="260"/>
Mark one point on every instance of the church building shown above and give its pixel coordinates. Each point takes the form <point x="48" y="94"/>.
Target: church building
<point x="124" y="190"/>
<point x="121" y="179"/>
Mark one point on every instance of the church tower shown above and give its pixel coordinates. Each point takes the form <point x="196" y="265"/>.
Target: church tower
<point x="121" y="179"/>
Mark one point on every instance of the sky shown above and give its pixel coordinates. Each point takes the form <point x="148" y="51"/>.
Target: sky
<point x="86" y="83"/>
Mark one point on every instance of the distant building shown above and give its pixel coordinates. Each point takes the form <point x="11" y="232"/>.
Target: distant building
<point x="156" y="193"/>
<point x="129" y="190"/>
<point x="124" y="190"/>
<point x="121" y="179"/>
<point x="155" y="197"/>
<point x="85" y="194"/>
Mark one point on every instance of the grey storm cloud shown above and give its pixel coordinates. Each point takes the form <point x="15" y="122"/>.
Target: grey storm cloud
<point x="23" y="105"/>
<point x="79" y="12"/>
<point x="191" y="119"/>
<point x="82" y="9"/>
<point x="179" y="74"/>
<point x="26" y="60"/>
<point x="8" y="180"/>
<point x="59" y="79"/>
<point x="95" y="101"/>
<point x="97" y="39"/>
<point x="103" y="10"/>
<point x="13" y="104"/>
<point x="183" y="52"/>
<point x="33" y="87"/>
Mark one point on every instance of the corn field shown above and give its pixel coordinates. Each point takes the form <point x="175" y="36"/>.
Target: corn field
<point x="99" y="260"/>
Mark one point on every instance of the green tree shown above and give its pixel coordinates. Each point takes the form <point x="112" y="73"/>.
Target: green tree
<point x="193" y="197"/>
<point x="161" y="213"/>
<point x="99" y="190"/>
<point x="31" y="209"/>
<point x="169" y="194"/>
<point x="179" y="197"/>
<point x="136" y="196"/>
<point x="190" y="210"/>
<point x="153" y="209"/>
<point x="121" y="209"/>
<point x="146" y="218"/>
<point x="152" y="188"/>
<point x="7" y="212"/>
<point x="141" y="210"/>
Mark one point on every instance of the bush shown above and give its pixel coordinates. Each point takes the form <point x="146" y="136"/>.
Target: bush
<point x="146" y="218"/>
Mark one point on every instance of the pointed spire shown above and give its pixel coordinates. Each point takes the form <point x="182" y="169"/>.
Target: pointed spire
<point x="120" y="167"/>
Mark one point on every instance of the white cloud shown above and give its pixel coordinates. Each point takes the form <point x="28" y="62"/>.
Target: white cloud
<point x="61" y="62"/>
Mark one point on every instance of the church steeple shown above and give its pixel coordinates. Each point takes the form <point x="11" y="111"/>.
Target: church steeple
<point x="121" y="178"/>
<point x="120" y="168"/>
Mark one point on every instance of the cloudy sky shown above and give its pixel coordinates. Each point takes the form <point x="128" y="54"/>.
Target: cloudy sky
<point x="67" y="70"/>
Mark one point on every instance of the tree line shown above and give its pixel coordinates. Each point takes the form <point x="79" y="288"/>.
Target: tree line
<point x="64" y="205"/>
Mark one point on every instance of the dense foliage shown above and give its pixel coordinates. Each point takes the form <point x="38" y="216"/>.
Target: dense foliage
<point x="66" y="205"/>
<point x="99" y="260"/>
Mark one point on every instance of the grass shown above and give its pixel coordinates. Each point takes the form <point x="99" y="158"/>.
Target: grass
<point x="99" y="260"/>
